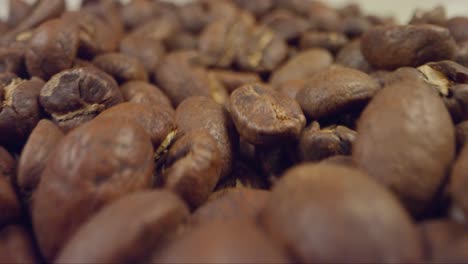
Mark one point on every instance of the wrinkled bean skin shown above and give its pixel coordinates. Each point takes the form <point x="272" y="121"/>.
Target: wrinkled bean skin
<point x="198" y="113"/>
<point x="76" y="96"/>
<point x="42" y="142"/>
<point x="311" y="210"/>
<point x="415" y="163"/>
<point x="101" y="240"/>
<point x="94" y="165"/>
<point x="193" y="167"/>
<point x="391" y="47"/>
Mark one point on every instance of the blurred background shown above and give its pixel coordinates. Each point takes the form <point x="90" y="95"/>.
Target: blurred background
<point x="402" y="9"/>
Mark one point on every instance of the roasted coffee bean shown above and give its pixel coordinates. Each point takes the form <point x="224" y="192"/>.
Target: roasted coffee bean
<point x="122" y="67"/>
<point x="158" y="29"/>
<point x="16" y="246"/>
<point x="234" y="241"/>
<point x="19" y="111"/>
<point x="316" y="144"/>
<point x="351" y="56"/>
<point x="263" y="116"/>
<point x="258" y="7"/>
<point x="137" y="12"/>
<point x="231" y="204"/>
<point x="274" y="160"/>
<point x="391" y="47"/>
<point x="19" y="11"/>
<point x="457" y="27"/>
<point x="354" y="26"/>
<point x="407" y="166"/>
<point x="193" y="167"/>
<point x="42" y="11"/>
<point x="336" y="90"/>
<point x="244" y="174"/>
<point x="201" y="113"/>
<point x="436" y="16"/>
<point x="93" y="165"/>
<point x="12" y="60"/>
<point x="322" y="16"/>
<point x="42" y="142"/>
<point x="459" y="181"/>
<point x="157" y="121"/>
<point x="109" y="12"/>
<point x="197" y="14"/>
<point x="7" y="164"/>
<point x="76" y="96"/>
<point x="286" y="24"/>
<point x="291" y="88"/>
<point x="9" y="203"/>
<point x="302" y="66"/>
<point x="331" y="41"/>
<point x="262" y="50"/>
<point x="233" y="80"/>
<point x="148" y="218"/>
<point x="182" y="41"/>
<point x="461" y="134"/>
<point x="148" y="51"/>
<point x="439" y="235"/>
<point x="146" y="94"/>
<point x="52" y="48"/>
<point x="311" y="210"/>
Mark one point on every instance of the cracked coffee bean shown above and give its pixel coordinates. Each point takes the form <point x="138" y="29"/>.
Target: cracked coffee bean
<point x="76" y="96"/>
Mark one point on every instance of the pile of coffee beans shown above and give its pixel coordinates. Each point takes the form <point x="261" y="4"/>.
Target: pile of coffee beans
<point x="232" y="131"/>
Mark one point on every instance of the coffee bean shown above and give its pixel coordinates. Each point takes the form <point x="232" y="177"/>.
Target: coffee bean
<point x="351" y="56"/>
<point x="158" y="29"/>
<point x="286" y="24"/>
<point x="76" y="96"/>
<point x="193" y="167"/>
<point x="197" y="14"/>
<point x="122" y="67"/>
<point x="12" y="60"/>
<point x="436" y="16"/>
<point x="16" y="246"/>
<point x="93" y="165"/>
<point x="148" y="51"/>
<point x="19" y="11"/>
<point x="9" y="203"/>
<point x="354" y="26"/>
<point x="233" y="80"/>
<point x="291" y="88"/>
<point x="391" y="47"/>
<point x="137" y="12"/>
<point x="331" y="41"/>
<point x="461" y="134"/>
<point x="42" y="142"/>
<point x="148" y="218"/>
<point x="52" y="49"/>
<point x="336" y="90"/>
<point x="302" y="66"/>
<point x="42" y="11"/>
<point x="457" y="27"/>
<point x="20" y="110"/>
<point x="244" y="174"/>
<point x="201" y="113"/>
<point x="182" y="41"/>
<point x="146" y="94"/>
<point x="455" y="253"/>
<point x="311" y="210"/>
<point x="222" y="242"/>
<point x="258" y="8"/>
<point x="263" y="116"/>
<point x="316" y="144"/>
<point x="406" y="163"/>
<point x="322" y="16"/>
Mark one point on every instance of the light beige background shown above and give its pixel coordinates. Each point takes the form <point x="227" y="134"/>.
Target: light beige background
<point x="400" y="8"/>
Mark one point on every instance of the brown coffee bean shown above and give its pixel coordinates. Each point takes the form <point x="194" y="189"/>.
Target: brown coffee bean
<point x="19" y="11"/>
<point x="16" y="246"/>
<point x="42" y="11"/>
<point x="391" y="47"/>
<point x="158" y="29"/>
<point x="263" y="116"/>
<point x="122" y="67"/>
<point x="258" y="7"/>
<point x="233" y="80"/>
<point x="436" y="16"/>
<point x="291" y="88"/>
<point x="195" y="15"/>
<point x="286" y="24"/>
<point x="7" y="164"/>
<point x="262" y="50"/>
<point x="457" y="27"/>
<point x="406" y="164"/>
<point x="9" y="203"/>
<point x="231" y="204"/>
<point x="322" y="16"/>
<point x="193" y="167"/>
<point x="459" y="181"/>
<point x="302" y="66"/>
<point x="158" y="122"/>
<point x="146" y="94"/>
<point x="182" y="41"/>
<point x="244" y="174"/>
<point x="148" y="51"/>
<point x="331" y="41"/>
<point x="137" y="12"/>
<point x="101" y="240"/>
<point x="354" y="26"/>
<point x="222" y="242"/>
<point x="76" y="96"/>
<point x="351" y="56"/>
<point x="201" y="113"/>
<point x="316" y="144"/>
<point x="109" y="12"/>
<point x="20" y="110"/>
<point x="312" y="208"/>
<point x="461" y="134"/>
<point x="52" y="48"/>
<point x="336" y="90"/>
<point x="93" y="165"/>
<point x="455" y="253"/>
<point x="12" y="60"/>
<point x="188" y="69"/>
<point x="439" y="235"/>
<point x="42" y="142"/>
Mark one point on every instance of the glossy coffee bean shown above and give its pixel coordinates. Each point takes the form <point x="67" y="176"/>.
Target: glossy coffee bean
<point x="407" y="166"/>
<point x="122" y="67"/>
<point x="100" y="239"/>
<point x="94" y="165"/>
<point x="263" y="116"/>
<point x="311" y="210"/>
<point x="76" y="96"/>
